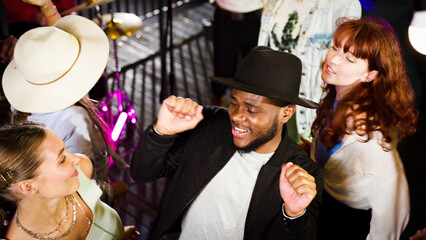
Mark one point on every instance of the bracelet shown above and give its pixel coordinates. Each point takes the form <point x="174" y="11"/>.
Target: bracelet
<point x="291" y="218"/>
<point x="156" y="131"/>
<point x="52" y="15"/>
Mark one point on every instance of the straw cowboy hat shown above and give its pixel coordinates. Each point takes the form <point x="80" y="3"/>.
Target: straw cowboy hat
<point x="54" y="67"/>
<point x="269" y="73"/>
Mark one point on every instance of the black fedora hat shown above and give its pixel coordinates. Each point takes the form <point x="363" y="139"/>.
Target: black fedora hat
<point x="269" y="73"/>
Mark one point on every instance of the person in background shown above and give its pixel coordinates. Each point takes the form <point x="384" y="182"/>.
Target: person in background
<point x="46" y="192"/>
<point x="304" y="28"/>
<point x="7" y="45"/>
<point x="23" y="15"/>
<point x="236" y="173"/>
<point x="236" y="27"/>
<point x="52" y="71"/>
<point x="399" y="14"/>
<point x="368" y="107"/>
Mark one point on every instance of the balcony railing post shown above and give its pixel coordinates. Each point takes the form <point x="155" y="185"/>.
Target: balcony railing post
<point x="163" y="52"/>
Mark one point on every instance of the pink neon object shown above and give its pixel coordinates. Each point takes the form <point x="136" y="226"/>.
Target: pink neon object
<point x="131" y="112"/>
<point x="119" y="125"/>
<point x="104" y="108"/>
<point x="119" y="102"/>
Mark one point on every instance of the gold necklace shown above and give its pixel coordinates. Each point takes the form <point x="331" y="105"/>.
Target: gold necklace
<point x="96" y="225"/>
<point x="89" y="222"/>
<point x="45" y="236"/>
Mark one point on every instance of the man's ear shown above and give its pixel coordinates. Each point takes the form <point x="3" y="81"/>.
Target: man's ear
<point x="27" y="187"/>
<point x="371" y="76"/>
<point x="287" y="112"/>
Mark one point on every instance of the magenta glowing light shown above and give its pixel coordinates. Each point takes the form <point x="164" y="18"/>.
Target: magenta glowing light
<point x="104" y="107"/>
<point x="119" y="125"/>
<point x="119" y="102"/>
<point x="131" y="112"/>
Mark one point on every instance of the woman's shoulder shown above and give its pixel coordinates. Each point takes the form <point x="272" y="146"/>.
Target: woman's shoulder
<point x="76" y="110"/>
<point x="366" y="143"/>
<point x="370" y="153"/>
<point x="68" y="114"/>
<point x="85" y="165"/>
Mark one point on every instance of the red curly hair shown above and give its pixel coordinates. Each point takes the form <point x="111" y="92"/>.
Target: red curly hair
<point x="385" y="104"/>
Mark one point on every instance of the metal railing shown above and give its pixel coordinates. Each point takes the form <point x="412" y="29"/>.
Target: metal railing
<point x="147" y="80"/>
<point x="145" y="9"/>
<point x="142" y="80"/>
<point x="148" y="9"/>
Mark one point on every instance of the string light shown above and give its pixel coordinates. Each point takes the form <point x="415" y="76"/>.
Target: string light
<point x="417" y="31"/>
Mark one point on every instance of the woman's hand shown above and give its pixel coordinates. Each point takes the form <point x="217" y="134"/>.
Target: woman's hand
<point x="49" y="14"/>
<point x="39" y="3"/>
<point x="130" y="233"/>
<point x="420" y="235"/>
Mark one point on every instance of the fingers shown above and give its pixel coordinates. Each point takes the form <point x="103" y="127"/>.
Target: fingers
<point x="177" y="115"/>
<point x="183" y="107"/>
<point x="36" y="2"/>
<point x="301" y="181"/>
<point x="130" y="233"/>
<point x="199" y="113"/>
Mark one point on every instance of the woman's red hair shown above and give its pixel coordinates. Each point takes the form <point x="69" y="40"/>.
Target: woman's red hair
<point x="385" y="104"/>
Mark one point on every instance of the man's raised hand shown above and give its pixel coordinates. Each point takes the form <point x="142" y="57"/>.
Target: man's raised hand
<point x="178" y="115"/>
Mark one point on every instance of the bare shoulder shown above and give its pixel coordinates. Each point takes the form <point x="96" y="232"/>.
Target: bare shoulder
<point x="85" y="165"/>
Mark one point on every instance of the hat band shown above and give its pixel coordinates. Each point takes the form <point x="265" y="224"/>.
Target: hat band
<point x="69" y="69"/>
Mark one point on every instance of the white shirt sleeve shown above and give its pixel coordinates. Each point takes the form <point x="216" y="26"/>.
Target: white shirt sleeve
<point x="390" y="202"/>
<point x="364" y="176"/>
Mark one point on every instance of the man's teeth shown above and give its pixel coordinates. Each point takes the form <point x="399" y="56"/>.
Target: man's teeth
<point x="240" y="130"/>
<point x="330" y="69"/>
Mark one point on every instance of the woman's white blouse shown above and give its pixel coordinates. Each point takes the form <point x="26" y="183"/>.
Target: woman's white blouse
<point x="362" y="175"/>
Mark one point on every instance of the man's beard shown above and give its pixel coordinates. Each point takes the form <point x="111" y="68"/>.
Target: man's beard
<point x="261" y="140"/>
